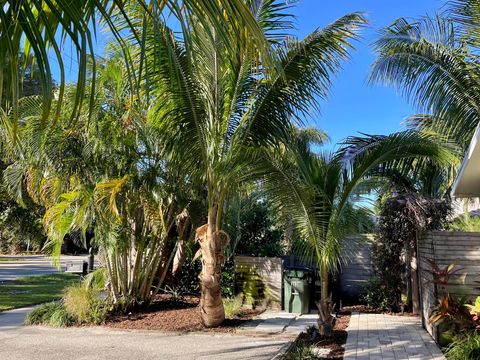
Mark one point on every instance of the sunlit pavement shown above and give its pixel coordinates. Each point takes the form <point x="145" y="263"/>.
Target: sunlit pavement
<point x="19" y="342"/>
<point x="34" y="265"/>
<point x="384" y="337"/>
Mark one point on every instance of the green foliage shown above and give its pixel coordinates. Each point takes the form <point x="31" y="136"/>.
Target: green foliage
<point x="401" y="217"/>
<point x="464" y="348"/>
<point x="84" y="304"/>
<point x="42" y="314"/>
<point x="252" y="287"/>
<point x="253" y="229"/>
<point x="429" y="60"/>
<point x="232" y="306"/>
<point x="466" y="222"/>
<point x="96" y="280"/>
<point x="475" y="309"/>
<point x="378" y="296"/>
<point x="34" y="290"/>
<point x="61" y="318"/>
<point x="20" y="226"/>
<point x="228" y="279"/>
<point x="189" y="280"/>
<point x="302" y="352"/>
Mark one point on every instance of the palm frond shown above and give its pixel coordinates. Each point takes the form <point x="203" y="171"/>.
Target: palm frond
<point x="425" y="60"/>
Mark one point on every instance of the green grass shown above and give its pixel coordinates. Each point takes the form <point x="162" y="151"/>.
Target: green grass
<point x="33" y="290"/>
<point x="10" y="259"/>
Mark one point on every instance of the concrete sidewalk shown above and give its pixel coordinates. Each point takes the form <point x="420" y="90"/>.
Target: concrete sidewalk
<point x="14" y="319"/>
<point x="280" y="322"/>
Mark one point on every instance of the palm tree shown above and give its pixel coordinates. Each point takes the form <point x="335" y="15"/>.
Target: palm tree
<point x="216" y="106"/>
<point x="434" y="63"/>
<point x="106" y="175"/>
<point x="41" y="28"/>
<point x="316" y="191"/>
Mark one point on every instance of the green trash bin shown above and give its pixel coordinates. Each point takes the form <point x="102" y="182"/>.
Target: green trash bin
<point x="297" y="285"/>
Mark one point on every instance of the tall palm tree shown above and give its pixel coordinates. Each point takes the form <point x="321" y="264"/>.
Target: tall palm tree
<point x="435" y="63"/>
<point x="41" y="28"/>
<point x="316" y="191"/>
<point x="216" y="106"/>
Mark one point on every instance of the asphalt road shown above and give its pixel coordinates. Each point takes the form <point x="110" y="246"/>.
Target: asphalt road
<point x="33" y="265"/>
<point x="19" y="342"/>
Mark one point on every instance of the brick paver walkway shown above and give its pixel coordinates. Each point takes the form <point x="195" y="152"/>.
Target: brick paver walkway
<point x="384" y="337"/>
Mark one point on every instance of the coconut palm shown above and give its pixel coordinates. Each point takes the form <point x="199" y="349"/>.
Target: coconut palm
<point x="216" y="106"/>
<point x="41" y="28"/>
<point x="316" y="191"/>
<point x="434" y="62"/>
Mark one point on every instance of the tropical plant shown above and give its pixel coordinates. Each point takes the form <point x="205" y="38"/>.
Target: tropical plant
<point x="39" y="29"/>
<point x="466" y="347"/>
<point x="216" y="106"/>
<point x="433" y="61"/>
<point x="402" y="216"/>
<point x="253" y="229"/>
<point x="465" y="222"/>
<point x="474" y="309"/>
<point x="316" y="191"/>
<point x="105" y="174"/>
<point x="451" y="314"/>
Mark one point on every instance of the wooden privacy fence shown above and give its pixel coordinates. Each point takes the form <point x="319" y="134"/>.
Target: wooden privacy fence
<point x="355" y="275"/>
<point x="259" y="279"/>
<point x="444" y="248"/>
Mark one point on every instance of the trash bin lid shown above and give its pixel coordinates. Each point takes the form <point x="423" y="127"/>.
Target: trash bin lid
<point x="300" y="272"/>
<point x="298" y="268"/>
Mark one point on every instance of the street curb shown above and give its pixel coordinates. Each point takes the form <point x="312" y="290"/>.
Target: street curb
<point x="283" y="350"/>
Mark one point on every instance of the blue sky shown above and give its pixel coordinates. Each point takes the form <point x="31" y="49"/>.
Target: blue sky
<point x="354" y="106"/>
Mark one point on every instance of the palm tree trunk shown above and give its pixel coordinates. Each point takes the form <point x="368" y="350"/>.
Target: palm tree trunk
<point x="325" y="320"/>
<point x="211" y="305"/>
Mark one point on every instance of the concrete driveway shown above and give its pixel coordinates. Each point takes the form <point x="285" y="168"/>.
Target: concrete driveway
<point x="33" y="265"/>
<point x="19" y="342"/>
<point x="39" y="343"/>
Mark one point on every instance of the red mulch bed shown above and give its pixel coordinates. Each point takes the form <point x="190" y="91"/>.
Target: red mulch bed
<point x="181" y="315"/>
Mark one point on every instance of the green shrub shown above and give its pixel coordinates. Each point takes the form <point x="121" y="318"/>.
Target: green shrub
<point x="301" y="352"/>
<point x="84" y="305"/>
<point x="464" y="348"/>
<point x="465" y="222"/>
<point x="379" y="296"/>
<point x="228" y="279"/>
<point x="96" y="280"/>
<point x="42" y="314"/>
<point x="61" y="318"/>
<point x="232" y="306"/>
